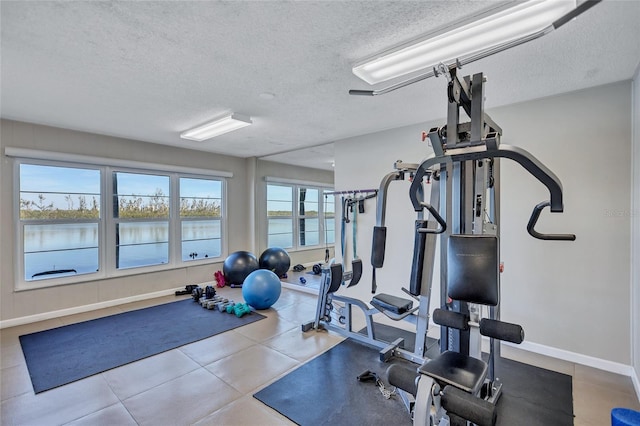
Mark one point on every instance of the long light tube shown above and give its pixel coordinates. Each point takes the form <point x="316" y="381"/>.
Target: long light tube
<point x="216" y="128"/>
<point x="504" y="26"/>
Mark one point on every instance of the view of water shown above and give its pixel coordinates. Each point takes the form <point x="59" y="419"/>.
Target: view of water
<point x="281" y="232"/>
<point x="75" y="246"/>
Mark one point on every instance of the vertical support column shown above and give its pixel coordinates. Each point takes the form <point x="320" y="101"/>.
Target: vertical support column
<point x="445" y="209"/>
<point x="251" y="203"/>
<point x="456" y="177"/>
<point x="469" y="170"/>
<point x="482" y="167"/>
<point x="428" y="263"/>
<point x="449" y="180"/>
<point x="494" y="215"/>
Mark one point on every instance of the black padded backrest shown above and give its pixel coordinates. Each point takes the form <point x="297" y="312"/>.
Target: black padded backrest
<point x="473" y="268"/>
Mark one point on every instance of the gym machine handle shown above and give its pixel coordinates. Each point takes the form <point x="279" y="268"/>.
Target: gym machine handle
<point x="535" y="215"/>
<point x="519" y="155"/>
<point x="437" y="217"/>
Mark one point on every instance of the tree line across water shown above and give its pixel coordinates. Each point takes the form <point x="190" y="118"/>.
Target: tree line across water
<point x="129" y="207"/>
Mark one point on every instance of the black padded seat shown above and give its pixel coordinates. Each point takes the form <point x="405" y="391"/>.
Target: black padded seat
<point x="387" y="302"/>
<point x="458" y="370"/>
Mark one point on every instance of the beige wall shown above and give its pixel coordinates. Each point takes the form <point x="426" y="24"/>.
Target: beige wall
<point x="17" y="304"/>
<point x="573" y="293"/>
<point x="570" y="296"/>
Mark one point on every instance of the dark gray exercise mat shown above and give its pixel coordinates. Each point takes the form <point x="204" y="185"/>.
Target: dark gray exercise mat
<point x="533" y="396"/>
<point x="65" y="354"/>
<point x="325" y="391"/>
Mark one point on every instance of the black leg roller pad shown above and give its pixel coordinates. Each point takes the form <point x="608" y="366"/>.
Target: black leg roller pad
<point x="403" y="377"/>
<point x="467" y="406"/>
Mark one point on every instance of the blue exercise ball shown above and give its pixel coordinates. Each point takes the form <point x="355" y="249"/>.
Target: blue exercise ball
<point x="261" y="289"/>
<point x="276" y="260"/>
<point x="238" y="265"/>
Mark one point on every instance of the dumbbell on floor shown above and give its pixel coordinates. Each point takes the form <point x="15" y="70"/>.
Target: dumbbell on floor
<point x="239" y="309"/>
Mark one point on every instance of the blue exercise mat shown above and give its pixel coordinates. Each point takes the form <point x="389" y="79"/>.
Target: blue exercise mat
<point x="65" y="354"/>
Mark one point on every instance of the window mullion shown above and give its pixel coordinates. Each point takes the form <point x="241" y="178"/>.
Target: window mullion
<point x="223" y="219"/>
<point x="19" y="224"/>
<point x="109" y="246"/>
<point x="321" y="218"/>
<point x="175" y="221"/>
<point x="296" y="216"/>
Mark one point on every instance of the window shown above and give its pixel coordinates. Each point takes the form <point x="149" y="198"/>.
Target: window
<point x="308" y="214"/>
<point x="299" y="216"/>
<point x="201" y="218"/>
<point x="280" y="216"/>
<point x="75" y="221"/>
<point x="59" y="221"/>
<point x="329" y="217"/>
<point x="141" y="217"/>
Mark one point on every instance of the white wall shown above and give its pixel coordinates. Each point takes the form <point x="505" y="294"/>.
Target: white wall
<point x="635" y="232"/>
<point x="570" y="296"/>
<point x="574" y="292"/>
<point x="361" y="163"/>
<point x="242" y="236"/>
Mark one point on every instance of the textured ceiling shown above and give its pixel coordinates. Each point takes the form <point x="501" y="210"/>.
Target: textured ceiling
<point x="150" y="70"/>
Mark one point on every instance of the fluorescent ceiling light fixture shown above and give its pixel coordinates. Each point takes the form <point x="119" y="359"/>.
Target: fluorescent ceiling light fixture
<point x="469" y="38"/>
<point x="216" y="128"/>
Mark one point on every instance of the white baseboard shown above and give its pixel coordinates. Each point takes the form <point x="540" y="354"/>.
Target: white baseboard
<point x="636" y="382"/>
<point x="85" y="308"/>
<point x="301" y="288"/>
<point x="589" y="361"/>
<point x="577" y="358"/>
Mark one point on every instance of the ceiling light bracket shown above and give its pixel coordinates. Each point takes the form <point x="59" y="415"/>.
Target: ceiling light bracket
<point x="446" y="70"/>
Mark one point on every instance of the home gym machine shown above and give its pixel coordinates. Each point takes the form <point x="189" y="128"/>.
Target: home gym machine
<point x="458" y="386"/>
<point x="393" y="307"/>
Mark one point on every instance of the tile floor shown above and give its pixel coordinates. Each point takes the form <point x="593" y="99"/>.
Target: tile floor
<point x="212" y="381"/>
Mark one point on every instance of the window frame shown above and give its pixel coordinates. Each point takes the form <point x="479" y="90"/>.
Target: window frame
<point x="295" y="187"/>
<point x="20" y="224"/>
<point x="292" y="217"/>
<point x="112" y="221"/>
<point x="107" y="222"/>
<point x="332" y="217"/>
<point x="305" y="216"/>
<point x="223" y="216"/>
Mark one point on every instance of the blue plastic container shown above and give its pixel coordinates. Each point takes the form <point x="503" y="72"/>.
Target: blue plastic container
<point x="625" y="417"/>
